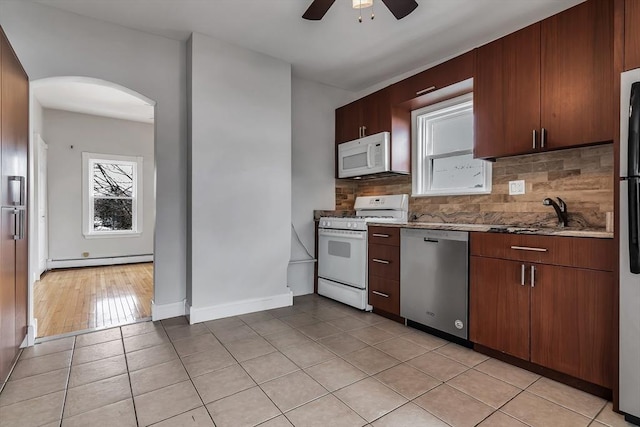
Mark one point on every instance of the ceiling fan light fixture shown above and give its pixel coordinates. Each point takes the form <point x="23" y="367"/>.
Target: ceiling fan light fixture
<point x="361" y="4"/>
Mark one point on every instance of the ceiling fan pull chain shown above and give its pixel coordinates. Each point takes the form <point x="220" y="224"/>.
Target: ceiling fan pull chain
<point x="360" y="12"/>
<point x="372" y="10"/>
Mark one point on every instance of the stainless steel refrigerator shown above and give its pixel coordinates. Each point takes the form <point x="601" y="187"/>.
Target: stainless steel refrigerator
<point x="630" y="246"/>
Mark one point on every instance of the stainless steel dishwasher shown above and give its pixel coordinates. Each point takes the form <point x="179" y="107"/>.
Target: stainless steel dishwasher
<point x="434" y="280"/>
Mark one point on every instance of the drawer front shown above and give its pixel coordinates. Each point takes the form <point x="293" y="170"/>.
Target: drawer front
<point x="384" y="294"/>
<point x="384" y="261"/>
<point x="590" y="253"/>
<point x="384" y="235"/>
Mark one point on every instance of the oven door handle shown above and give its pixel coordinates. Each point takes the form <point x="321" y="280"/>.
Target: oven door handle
<point x="358" y="235"/>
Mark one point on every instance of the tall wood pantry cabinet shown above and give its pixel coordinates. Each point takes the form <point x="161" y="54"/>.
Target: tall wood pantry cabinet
<point x="14" y="142"/>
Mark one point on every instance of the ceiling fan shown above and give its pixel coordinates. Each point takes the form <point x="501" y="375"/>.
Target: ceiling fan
<point x="399" y="8"/>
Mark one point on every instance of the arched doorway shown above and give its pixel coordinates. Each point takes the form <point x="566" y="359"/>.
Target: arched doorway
<point x="93" y="210"/>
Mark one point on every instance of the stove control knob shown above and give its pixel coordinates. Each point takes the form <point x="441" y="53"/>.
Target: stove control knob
<point x="328" y="223"/>
<point x="348" y="225"/>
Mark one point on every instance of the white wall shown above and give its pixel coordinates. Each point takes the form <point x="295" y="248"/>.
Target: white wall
<point x="240" y="154"/>
<point x="63" y="130"/>
<point x="51" y="43"/>
<point x="312" y="168"/>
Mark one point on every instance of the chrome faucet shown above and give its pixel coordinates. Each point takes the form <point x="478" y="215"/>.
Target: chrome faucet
<point x="561" y="210"/>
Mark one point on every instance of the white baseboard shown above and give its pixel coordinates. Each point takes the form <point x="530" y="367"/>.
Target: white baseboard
<point x="167" y="311"/>
<point x="203" y="314"/>
<point x="93" y="262"/>
<point x="32" y="333"/>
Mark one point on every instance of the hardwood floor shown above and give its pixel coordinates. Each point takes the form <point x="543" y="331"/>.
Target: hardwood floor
<point x="92" y="297"/>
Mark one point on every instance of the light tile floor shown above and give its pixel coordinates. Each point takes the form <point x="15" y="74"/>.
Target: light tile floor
<point x="318" y="363"/>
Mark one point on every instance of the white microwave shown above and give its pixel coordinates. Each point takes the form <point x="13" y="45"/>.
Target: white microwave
<point x="365" y="156"/>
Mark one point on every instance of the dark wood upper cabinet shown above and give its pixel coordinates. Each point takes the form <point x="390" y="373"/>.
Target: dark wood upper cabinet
<point x="507" y="95"/>
<point x="577" y="76"/>
<point x="547" y="86"/>
<point x="631" y="34"/>
<point x="450" y="72"/>
<point x="366" y="116"/>
<point x="348" y="122"/>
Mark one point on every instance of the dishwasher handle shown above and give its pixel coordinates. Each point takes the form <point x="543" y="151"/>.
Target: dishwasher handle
<point x="430" y="240"/>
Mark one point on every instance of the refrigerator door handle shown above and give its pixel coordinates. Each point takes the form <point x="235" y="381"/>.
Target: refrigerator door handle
<point x="16" y="190"/>
<point x="634" y="225"/>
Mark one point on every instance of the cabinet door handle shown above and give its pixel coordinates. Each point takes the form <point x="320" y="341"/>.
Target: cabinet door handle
<point x="533" y="276"/>
<point x="542" y="137"/>
<point x="380" y="294"/>
<point x="16" y="233"/>
<point x="380" y="261"/>
<point x="360" y="132"/>
<point x="526" y="248"/>
<point x="534" y="139"/>
<point x="522" y="268"/>
<point x="364" y="131"/>
<point x="423" y="91"/>
<point x="384" y="236"/>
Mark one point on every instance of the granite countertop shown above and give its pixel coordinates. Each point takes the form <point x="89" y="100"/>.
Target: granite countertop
<point x="493" y="228"/>
<point x="599" y="233"/>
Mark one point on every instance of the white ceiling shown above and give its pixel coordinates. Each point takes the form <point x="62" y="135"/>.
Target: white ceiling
<point x="94" y="97"/>
<point x="337" y="51"/>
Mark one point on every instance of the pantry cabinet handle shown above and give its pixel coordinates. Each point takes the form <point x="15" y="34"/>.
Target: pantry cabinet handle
<point x="423" y="91"/>
<point x="526" y="248"/>
<point x="534" y="139"/>
<point x="380" y="294"/>
<point x="542" y="137"/>
<point x="380" y="261"/>
<point x="533" y="276"/>
<point x="384" y="236"/>
<point x="522" y="275"/>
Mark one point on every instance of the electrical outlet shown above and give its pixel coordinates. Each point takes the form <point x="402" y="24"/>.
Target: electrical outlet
<point x="516" y="187"/>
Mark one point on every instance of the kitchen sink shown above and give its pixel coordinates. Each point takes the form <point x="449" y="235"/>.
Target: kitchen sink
<point x="514" y="230"/>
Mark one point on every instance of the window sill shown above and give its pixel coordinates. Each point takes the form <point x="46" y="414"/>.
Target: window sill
<point x="112" y="235"/>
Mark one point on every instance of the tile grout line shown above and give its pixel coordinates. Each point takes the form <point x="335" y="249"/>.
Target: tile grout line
<point x="66" y="388"/>
<point x="126" y="362"/>
<point x="256" y="383"/>
<point x="188" y="375"/>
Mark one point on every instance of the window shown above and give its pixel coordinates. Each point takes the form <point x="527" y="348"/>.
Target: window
<point x="112" y="207"/>
<point x="443" y="162"/>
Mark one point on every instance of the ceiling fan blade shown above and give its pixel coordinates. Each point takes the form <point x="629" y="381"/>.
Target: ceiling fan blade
<point x="317" y="9"/>
<point x="400" y="8"/>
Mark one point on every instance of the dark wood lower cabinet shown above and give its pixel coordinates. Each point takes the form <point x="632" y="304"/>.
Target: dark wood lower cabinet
<point x="572" y="322"/>
<point x="556" y="317"/>
<point x="499" y="306"/>
<point x="384" y="271"/>
<point x="384" y="294"/>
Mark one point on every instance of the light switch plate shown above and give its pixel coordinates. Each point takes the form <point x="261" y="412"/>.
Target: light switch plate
<point x="516" y="187"/>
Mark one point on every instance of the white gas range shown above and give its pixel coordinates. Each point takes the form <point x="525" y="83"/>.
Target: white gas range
<point x="342" y="247"/>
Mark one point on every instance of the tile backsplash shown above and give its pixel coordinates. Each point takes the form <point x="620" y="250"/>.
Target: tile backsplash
<point x="582" y="177"/>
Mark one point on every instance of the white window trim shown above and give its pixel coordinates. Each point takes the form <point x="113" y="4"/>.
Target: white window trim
<point x="87" y="200"/>
<point x="420" y="167"/>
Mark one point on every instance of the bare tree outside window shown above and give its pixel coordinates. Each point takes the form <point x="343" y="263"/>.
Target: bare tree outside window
<point x="113" y="195"/>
